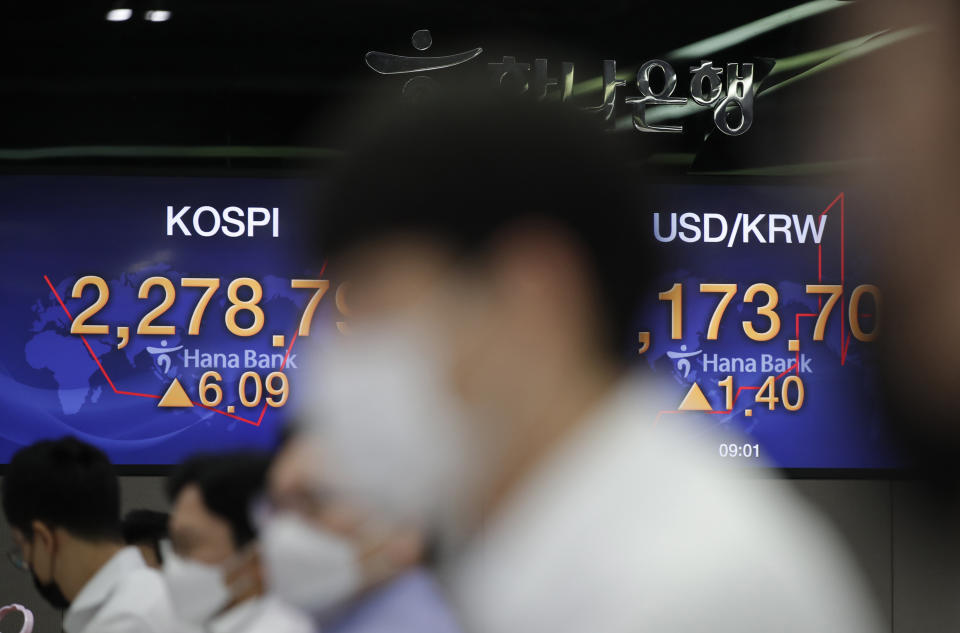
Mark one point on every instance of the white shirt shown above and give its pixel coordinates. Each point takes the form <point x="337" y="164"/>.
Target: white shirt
<point x="261" y="615"/>
<point x="124" y="596"/>
<point x="632" y="527"/>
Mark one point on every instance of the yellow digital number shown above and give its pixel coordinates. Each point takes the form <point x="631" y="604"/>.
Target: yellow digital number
<point x="785" y="394"/>
<point x="727" y="384"/>
<point x="146" y="323"/>
<point x="320" y="286"/>
<point x="675" y="297"/>
<point x="80" y="325"/>
<point x="283" y="391"/>
<point x="211" y="284"/>
<point x="206" y="386"/>
<point x="250" y="402"/>
<point x="766" y="310"/>
<point x="728" y="290"/>
<point x="766" y="394"/>
<point x="854" y="313"/>
<point x="250" y="305"/>
<point x="834" y="291"/>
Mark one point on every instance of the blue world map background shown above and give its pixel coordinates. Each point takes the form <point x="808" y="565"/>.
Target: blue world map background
<point x="75" y="385"/>
<point x="115" y="228"/>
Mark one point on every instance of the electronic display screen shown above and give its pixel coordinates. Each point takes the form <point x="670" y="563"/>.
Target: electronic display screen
<point x="137" y="307"/>
<point x="766" y="322"/>
<point x="157" y="317"/>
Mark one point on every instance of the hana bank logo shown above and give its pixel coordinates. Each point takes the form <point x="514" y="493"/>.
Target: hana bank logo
<point x="682" y="359"/>
<point x="731" y="100"/>
<point x="161" y="356"/>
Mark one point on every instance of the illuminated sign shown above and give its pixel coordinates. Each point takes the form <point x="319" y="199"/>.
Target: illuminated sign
<point x="728" y="92"/>
<point x="774" y="339"/>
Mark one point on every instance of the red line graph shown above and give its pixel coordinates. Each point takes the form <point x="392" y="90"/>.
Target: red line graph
<point x="844" y="339"/>
<point x="122" y="392"/>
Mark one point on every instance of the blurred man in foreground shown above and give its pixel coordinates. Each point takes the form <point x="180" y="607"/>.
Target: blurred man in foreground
<point x="213" y="569"/>
<point x="493" y="265"/>
<point x="62" y="500"/>
<point x="908" y="148"/>
<point x="337" y="561"/>
<point x="146" y="529"/>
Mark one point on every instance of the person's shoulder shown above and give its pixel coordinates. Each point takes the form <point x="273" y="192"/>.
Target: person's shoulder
<point x="281" y="617"/>
<point x="411" y="603"/>
<point x="145" y="583"/>
<point x="142" y="596"/>
<point x="716" y="531"/>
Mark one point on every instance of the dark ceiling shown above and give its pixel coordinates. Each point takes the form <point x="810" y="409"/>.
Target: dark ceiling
<point x="241" y="72"/>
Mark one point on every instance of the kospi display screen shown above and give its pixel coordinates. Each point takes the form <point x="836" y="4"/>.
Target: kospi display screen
<point x="154" y="317"/>
<point x="157" y="317"/>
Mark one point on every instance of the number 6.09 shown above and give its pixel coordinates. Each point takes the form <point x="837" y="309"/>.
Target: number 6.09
<point x="211" y="393"/>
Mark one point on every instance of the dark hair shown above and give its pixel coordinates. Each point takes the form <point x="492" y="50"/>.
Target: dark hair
<point x="228" y="483"/>
<point x="65" y="483"/>
<point x="464" y="171"/>
<point x="146" y="527"/>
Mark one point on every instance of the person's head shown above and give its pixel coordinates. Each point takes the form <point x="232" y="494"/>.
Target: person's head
<point x="510" y="226"/>
<point x="145" y="529"/>
<point x="62" y="500"/>
<point x="212" y="563"/>
<point x="493" y="266"/>
<point x="321" y="550"/>
<point x="909" y="150"/>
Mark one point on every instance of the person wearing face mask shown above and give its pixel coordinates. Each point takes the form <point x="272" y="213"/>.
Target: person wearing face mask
<point x="62" y="501"/>
<point x="353" y="572"/>
<point x="211" y="565"/>
<point x="493" y="257"/>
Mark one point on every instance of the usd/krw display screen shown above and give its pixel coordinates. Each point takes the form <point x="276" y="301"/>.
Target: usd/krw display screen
<point x="766" y="322"/>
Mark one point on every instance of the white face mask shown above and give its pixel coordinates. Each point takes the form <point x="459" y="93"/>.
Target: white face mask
<point x="197" y="590"/>
<point x="309" y="568"/>
<point x="394" y="436"/>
